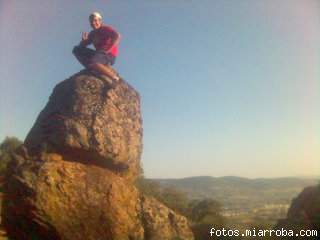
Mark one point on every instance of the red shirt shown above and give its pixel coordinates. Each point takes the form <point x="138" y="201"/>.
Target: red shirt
<point x="105" y="39"/>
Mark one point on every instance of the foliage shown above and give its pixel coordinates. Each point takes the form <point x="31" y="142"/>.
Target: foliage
<point x="206" y="211"/>
<point x="176" y="200"/>
<point x="202" y="214"/>
<point x="7" y="147"/>
<point x="148" y="187"/>
<point x="171" y="197"/>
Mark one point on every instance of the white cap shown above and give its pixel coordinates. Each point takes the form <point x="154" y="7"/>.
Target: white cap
<point x="95" y="14"/>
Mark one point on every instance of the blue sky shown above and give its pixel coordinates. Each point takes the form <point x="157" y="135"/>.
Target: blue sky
<point x="227" y="87"/>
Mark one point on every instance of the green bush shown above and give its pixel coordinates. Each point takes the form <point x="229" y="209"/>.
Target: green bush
<point x="7" y="147"/>
<point x="202" y="214"/>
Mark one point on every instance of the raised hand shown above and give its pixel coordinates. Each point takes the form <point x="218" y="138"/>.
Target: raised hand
<point x="84" y="36"/>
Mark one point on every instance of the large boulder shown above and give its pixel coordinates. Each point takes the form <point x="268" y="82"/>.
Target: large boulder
<point x="49" y="197"/>
<point x="89" y="120"/>
<point x="74" y="176"/>
<point x="304" y="212"/>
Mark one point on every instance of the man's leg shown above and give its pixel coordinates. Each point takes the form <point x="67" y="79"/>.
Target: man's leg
<point x="101" y="62"/>
<point x="94" y="60"/>
<point x="83" y="54"/>
<point x="104" y="69"/>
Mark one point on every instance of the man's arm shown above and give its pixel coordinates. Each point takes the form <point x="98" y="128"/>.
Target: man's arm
<point x="115" y="38"/>
<point x="86" y="40"/>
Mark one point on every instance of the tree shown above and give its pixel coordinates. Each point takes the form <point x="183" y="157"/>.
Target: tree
<point x="204" y="215"/>
<point x="148" y="187"/>
<point x="7" y="147"/>
<point x="206" y="211"/>
<point x="174" y="199"/>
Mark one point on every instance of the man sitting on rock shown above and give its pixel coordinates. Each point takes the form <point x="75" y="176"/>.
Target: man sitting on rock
<point x="105" y="40"/>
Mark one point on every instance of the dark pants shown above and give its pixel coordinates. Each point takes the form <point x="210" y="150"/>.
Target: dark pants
<point x="87" y="56"/>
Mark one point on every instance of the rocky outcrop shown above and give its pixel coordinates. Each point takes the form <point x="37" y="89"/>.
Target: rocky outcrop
<point x="89" y="120"/>
<point x="163" y="223"/>
<point x="304" y="212"/>
<point x="74" y="176"/>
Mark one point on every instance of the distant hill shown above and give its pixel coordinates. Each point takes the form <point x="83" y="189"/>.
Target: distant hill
<point x="246" y="202"/>
<point x="241" y="192"/>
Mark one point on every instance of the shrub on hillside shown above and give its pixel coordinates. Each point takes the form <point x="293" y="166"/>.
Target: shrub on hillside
<point x="7" y="147"/>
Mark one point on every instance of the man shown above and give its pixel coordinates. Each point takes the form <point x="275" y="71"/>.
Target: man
<point x="105" y="40"/>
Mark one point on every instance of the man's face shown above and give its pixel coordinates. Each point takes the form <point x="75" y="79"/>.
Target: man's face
<point x="95" y="22"/>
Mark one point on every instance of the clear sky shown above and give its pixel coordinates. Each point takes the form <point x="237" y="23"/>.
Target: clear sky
<point x="227" y="87"/>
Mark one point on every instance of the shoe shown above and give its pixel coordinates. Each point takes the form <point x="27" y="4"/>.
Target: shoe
<point x="116" y="78"/>
<point x="106" y="79"/>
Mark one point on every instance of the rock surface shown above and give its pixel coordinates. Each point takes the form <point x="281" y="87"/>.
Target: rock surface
<point x="73" y="177"/>
<point x="304" y="212"/>
<point x="163" y="223"/>
<point x="89" y="120"/>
